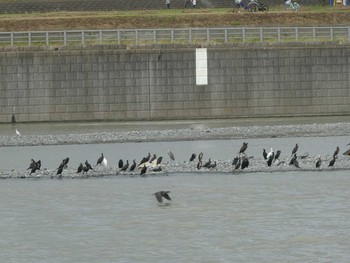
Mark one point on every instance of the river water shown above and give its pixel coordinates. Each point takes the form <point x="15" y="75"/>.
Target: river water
<point x="289" y="216"/>
<point x="260" y="217"/>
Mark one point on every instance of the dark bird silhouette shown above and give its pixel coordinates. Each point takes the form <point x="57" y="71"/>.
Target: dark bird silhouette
<point x="347" y="152"/>
<point x="143" y="170"/>
<point x="125" y="166"/>
<point x="235" y="160"/>
<point x="162" y="194"/>
<point x="264" y="154"/>
<point x="59" y="171"/>
<point x="120" y="163"/>
<point x="296" y="163"/>
<point x="270" y="158"/>
<point x="159" y="160"/>
<point x="245" y="163"/>
<point x="293" y="160"/>
<point x="153" y="158"/>
<point x="212" y="165"/>
<point x="99" y="160"/>
<point x="318" y="163"/>
<point x="207" y="163"/>
<point x="199" y="165"/>
<point x="244" y="147"/>
<point x="157" y="169"/>
<point x="193" y="156"/>
<point x="88" y="165"/>
<point x="133" y="166"/>
<point x="32" y="164"/>
<point x="335" y="154"/>
<point x="200" y="157"/>
<point x="237" y="164"/>
<point x="295" y="149"/>
<point x="35" y="167"/>
<point x="332" y="162"/>
<point x="64" y="163"/>
<point x="80" y="168"/>
<point x="277" y="155"/>
<point x="145" y="159"/>
<point x="171" y="155"/>
<point x="38" y="165"/>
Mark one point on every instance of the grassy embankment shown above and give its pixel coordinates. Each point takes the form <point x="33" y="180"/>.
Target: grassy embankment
<point x="174" y="18"/>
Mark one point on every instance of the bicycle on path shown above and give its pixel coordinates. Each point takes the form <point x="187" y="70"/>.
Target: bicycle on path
<point x="251" y="6"/>
<point x="294" y="6"/>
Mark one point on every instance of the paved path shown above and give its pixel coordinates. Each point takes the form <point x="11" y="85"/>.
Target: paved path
<point x="100" y="5"/>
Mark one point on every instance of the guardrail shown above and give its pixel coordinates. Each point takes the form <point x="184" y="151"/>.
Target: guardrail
<point x="173" y="36"/>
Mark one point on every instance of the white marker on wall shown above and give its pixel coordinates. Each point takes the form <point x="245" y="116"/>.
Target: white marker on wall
<point x="201" y="66"/>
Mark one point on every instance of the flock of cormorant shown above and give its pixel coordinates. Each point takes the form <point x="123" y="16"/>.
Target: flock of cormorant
<point x="154" y="164"/>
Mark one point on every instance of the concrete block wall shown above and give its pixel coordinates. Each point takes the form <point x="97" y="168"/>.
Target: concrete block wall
<point x="115" y="83"/>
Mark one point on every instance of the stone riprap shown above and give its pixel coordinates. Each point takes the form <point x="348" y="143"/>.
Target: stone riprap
<point x="257" y="164"/>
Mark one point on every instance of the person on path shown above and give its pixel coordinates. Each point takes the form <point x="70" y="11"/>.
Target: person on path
<point x="167" y="2"/>
<point x="194" y="3"/>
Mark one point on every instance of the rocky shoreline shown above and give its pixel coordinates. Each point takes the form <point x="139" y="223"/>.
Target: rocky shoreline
<point x="185" y="134"/>
<point x="204" y="133"/>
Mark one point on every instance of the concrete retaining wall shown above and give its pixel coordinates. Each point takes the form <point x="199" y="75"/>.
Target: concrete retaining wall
<point x="114" y="83"/>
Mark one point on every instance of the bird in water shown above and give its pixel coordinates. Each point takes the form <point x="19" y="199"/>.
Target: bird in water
<point x="125" y="166"/>
<point x="171" y="155"/>
<point x="332" y="162"/>
<point x="295" y="149"/>
<point x="18" y="133"/>
<point x="244" y="147"/>
<point x="133" y="166"/>
<point x="193" y="156"/>
<point x="318" y="162"/>
<point x="335" y="154"/>
<point x="162" y="194"/>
